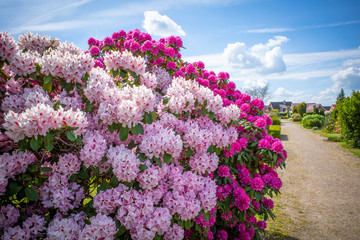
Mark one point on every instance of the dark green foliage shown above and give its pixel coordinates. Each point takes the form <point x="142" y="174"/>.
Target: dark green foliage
<point x="349" y="115"/>
<point x="295" y="109"/>
<point x="316" y="110"/>
<point x="340" y="97"/>
<point x="310" y="121"/>
<point x="322" y="112"/>
<point x="275" y="131"/>
<point x="302" y="109"/>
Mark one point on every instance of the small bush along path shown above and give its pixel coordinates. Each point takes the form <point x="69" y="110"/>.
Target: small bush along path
<point x="321" y="189"/>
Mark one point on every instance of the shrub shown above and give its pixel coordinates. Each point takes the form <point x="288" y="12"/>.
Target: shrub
<point x="315" y="128"/>
<point x="128" y="141"/>
<point x="296" y="117"/>
<point x="311" y="121"/>
<point x="302" y="109"/>
<point x="275" y="131"/>
<point x="276" y="120"/>
<point x="349" y="115"/>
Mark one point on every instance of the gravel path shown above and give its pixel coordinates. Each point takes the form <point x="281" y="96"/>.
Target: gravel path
<point x="321" y="187"/>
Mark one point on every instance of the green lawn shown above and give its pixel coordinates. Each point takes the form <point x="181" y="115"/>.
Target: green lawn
<point x="335" y="137"/>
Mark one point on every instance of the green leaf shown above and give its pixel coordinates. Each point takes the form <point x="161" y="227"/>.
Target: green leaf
<point x="135" y="130"/>
<point x="47" y="87"/>
<point x="49" y="141"/>
<point x="83" y="174"/>
<point x="124" y="133"/>
<point x="115" y="73"/>
<point x="123" y="73"/>
<point x="47" y="79"/>
<point x="153" y="114"/>
<point x="31" y="193"/>
<point x="114" y="182"/>
<point x="205" y="102"/>
<point x="141" y="128"/>
<point x="207" y="216"/>
<point x="211" y="149"/>
<point x="167" y="158"/>
<point x="166" y="101"/>
<point x="211" y="115"/>
<point x="143" y="167"/>
<point x="88" y="106"/>
<point x="71" y="136"/>
<point x="33" y="76"/>
<point x="46" y="169"/>
<point x="14" y="188"/>
<point x="149" y="118"/>
<point x="142" y="157"/>
<point x="121" y="230"/>
<point x="72" y="178"/>
<point x="111" y="128"/>
<point x="35" y="144"/>
<point x="188" y="224"/>
<point x="189" y="152"/>
<point x="158" y="162"/>
<point x="203" y="112"/>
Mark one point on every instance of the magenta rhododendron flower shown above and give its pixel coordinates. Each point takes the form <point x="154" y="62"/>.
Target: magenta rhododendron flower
<point x="260" y="123"/>
<point x="190" y="69"/>
<point x="277" y="147"/>
<point x="263" y="143"/>
<point x="223" y="171"/>
<point x="257" y="184"/>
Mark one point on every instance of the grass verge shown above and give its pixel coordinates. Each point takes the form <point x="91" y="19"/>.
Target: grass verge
<point x="336" y="137"/>
<point x="355" y="151"/>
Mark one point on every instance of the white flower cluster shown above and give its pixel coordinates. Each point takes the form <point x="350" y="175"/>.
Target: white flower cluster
<point x="39" y="119"/>
<point x="125" y="60"/>
<point x="124" y="162"/>
<point x="8" y="47"/>
<point x="64" y="64"/>
<point x="183" y="93"/>
<point x="36" y="43"/>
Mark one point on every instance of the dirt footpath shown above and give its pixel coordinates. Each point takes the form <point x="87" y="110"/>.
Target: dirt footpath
<point x="321" y="187"/>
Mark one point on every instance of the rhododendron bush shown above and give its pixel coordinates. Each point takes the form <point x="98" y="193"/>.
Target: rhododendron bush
<point x="129" y="141"/>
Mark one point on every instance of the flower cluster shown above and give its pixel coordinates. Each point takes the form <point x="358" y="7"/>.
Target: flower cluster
<point x="129" y="141"/>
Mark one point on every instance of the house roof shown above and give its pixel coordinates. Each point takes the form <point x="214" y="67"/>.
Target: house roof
<point x="276" y="105"/>
<point x="310" y="107"/>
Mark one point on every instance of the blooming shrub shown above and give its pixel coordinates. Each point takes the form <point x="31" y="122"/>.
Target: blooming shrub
<point x="129" y="141"/>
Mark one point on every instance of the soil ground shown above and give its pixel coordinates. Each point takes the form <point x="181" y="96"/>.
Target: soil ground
<point x="321" y="189"/>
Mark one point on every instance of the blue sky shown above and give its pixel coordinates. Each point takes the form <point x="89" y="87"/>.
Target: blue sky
<point x="306" y="50"/>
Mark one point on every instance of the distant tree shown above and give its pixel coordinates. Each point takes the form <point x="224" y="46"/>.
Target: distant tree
<point x="295" y="109"/>
<point x="316" y="110"/>
<point x="341" y="96"/>
<point x="302" y="109"/>
<point x="260" y="92"/>
<point x="322" y="112"/>
<point x="349" y="112"/>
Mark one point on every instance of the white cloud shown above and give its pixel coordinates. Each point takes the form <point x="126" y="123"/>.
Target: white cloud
<point x="161" y="25"/>
<point x="293" y="96"/>
<point x="348" y="79"/>
<point x="263" y="58"/>
<point x="352" y="62"/>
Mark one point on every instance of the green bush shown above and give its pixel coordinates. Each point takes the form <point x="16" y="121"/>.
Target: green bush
<point x="275" y="131"/>
<point x="296" y="117"/>
<point x="315" y="128"/>
<point x="276" y="120"/>
<point x="310" y="121"/>
<point x="349" y="115"/>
